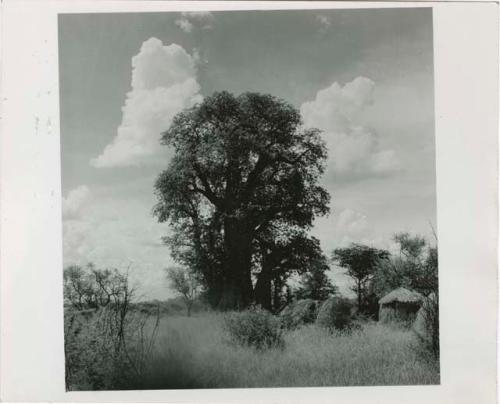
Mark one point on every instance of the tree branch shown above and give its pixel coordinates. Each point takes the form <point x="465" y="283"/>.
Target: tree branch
<point x="207" y="189"/>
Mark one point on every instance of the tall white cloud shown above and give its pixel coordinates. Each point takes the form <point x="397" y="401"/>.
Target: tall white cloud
<point x="188" y="21"/>
<point x="353" y="148"/>
<point x="163" y="84"/>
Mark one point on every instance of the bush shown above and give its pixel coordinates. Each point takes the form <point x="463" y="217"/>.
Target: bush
<point x="426" y="324"/>
<point x="106" y="350"/>
<point x="298" y="313"/>
<point x="255" y="327"/>
<point x="336" y="313"/>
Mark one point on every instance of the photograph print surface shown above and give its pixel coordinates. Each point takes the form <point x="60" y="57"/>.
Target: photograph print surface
<point x="249" y="199"/>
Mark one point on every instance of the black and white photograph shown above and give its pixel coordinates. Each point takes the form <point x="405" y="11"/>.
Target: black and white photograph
<point x="249" y="199"/>
<point x="249" y="202"/>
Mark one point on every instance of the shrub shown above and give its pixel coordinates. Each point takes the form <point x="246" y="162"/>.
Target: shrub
<point x="336" y="313"/>
<point x="107" y="339"/>
<point x="106" y="350"/>
<point x="255" y="327"/>
<point x="426" y="324"/>
<point x="298" y="313"/>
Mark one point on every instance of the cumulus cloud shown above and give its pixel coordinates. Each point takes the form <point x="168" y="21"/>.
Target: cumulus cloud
<point x="188" y="21"/>
<point x="120" y="233"/>
<point x="346" y="226"/>
<point x="339" y="230"/>
<point x="342" y="228"/>
<point x="163" y="84"/>
<point x="75" y="246"/>
<point x="75" y="222"/>
<point x="351" y="224"/>
<point x="353" y="148"/>
<point x="74" y="203"/>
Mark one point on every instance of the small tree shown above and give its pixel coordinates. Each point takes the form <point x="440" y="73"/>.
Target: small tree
<point x="411" y="247"/>
<point x="87" y="287"/>
<point x="185" y="284"/>
<point x="361" y="262"/>
<point x="315" y="284"/>
<point x="416" y="267"/>
<point x="76" y="286"/>
<point x="107" y="343"/>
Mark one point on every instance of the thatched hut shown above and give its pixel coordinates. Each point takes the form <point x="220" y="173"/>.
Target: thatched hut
<point x="400" y="306"/>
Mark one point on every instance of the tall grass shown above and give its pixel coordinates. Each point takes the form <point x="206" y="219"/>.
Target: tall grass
<point x="195" y="353"/>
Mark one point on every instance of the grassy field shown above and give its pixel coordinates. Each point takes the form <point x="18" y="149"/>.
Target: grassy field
<point x="195" y="353"/>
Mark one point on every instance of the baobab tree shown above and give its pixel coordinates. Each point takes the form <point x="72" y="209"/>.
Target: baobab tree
<point x="240" y="165"/>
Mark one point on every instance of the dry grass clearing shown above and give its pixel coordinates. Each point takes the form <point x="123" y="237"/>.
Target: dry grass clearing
<point x="195" y="353"/>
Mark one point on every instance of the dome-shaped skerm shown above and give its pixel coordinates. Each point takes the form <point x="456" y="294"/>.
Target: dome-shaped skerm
<point x="400" y="306"/>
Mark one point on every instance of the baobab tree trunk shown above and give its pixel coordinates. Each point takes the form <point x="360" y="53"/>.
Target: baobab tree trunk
<point x="237" y="291"/>
<point x="360" y="295"/>
<point x="277" y="293"/>
<point x="263" y="289"/>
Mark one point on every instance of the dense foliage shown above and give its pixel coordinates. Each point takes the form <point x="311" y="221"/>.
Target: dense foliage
<point x="107" y="343"/>
<point x="107" y="349"/>
<point x="415" y="267"/>
<point x="91" y="288"/>
<point x="336" y="313"/>
<point x="255" y="327"/>
<point x="315" y="283"/>
<point x="299" y="312"/>
<point x="361" y="263"/>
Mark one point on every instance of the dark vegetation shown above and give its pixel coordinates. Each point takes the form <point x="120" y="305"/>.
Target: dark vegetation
<point x="336" y="313"/>
<point x="186" y="284"/>
<point x="361" y="262"/>
<point x="255" y="327"/>
<point x="300" y="312"/>
<point x="107" y="342"/>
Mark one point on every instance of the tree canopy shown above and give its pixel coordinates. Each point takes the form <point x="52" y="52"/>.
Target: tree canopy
<point x="416" y="267"/>
<point x="315" y="283"/>
<point x="242" y="184"/>
<point x="361" y="263"/>
<point x="90" y="288"/>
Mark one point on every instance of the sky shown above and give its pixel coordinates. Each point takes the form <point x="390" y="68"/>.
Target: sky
<point x="364" y="77"/>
